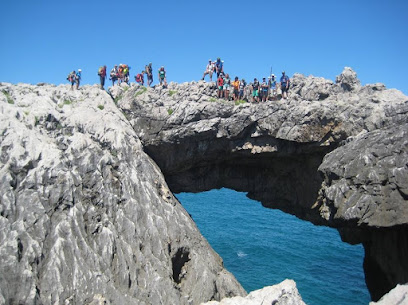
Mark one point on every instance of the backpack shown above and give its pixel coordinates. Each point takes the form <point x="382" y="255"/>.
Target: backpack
<point x="139" y="78"/>
<point x="162" y="73"/>
<point x="71" y="77"/>
<point x="220" y="81"/>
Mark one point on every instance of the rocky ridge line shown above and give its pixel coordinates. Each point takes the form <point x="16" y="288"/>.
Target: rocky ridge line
<point x="86" y="215"/>
<point x="334" y="153"/>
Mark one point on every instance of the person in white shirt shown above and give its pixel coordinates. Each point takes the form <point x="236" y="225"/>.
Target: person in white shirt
<point x="209" y="70"/>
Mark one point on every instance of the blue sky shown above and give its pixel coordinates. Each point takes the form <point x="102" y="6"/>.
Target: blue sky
<point x="42" y="41"/>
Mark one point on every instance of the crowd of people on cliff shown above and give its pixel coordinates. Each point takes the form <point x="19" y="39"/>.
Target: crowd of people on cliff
<point x="240" y="90"/>
<point x="227" y="89"/>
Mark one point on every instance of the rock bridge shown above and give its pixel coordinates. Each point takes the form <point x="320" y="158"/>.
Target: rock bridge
<point x="334" y="154"/>
<point x="87" y="216"/>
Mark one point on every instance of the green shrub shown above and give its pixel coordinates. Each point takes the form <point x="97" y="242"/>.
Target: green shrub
<point x="170" y="111"/>
<point x="9" y="99"/>
<point x="101" y="107"/>
<point x="117" y="99"/>
<point x="66" y="102"/>
<point x="172" y="92"/>
<point x="141" y="91"/>
<point x="213" y="99"/>
<point x="239" y="102"/>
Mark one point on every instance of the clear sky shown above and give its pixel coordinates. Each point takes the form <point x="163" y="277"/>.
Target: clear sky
<point x="42" y="41"/>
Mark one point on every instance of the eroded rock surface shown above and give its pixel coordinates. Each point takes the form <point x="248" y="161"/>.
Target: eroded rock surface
<point x="87" y="217"/>
<point x="85" y="214"/>
<point x="397" y="296"/>
<point x="284" y="293"/>
<point x="274" y="151"/>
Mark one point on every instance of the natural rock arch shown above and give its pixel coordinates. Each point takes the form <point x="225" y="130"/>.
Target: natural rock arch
<point x="334" y="154"/>
<point x="86" y="214"/>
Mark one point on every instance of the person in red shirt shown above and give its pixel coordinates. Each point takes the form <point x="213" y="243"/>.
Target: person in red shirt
<point x="220" y="84"/>
<point x="102" y="76"/>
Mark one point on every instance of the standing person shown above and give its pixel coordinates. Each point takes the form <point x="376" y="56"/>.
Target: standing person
<point x="125" y="72"/>
<point x="242" y="85"/>
<point x="102" y="76"/>
<point x="220" y="84"/>
<point x="78" y="78"/>
<point x="227" y="85"/>
<point x="285" y="83"/>
<point x="219" y="66"/>
<point x="235" y="84"/>
<point x="71" y="78"/>
<point x="114" y="74"/>
<point x="255" y="90"/>
<point x="120" y="74"/>
<point x="264" y="90"/>
<point x="209" y="70"/>
<point x="140" y="78"/>
<point x="149" y="73"/>
<point x="162" y="76"/>
<point x="272" y="86"/>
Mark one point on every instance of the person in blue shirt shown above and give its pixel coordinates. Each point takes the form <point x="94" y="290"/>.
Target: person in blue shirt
<point x="272" y="86"/>
<point x="78" y="78"/>
<point x="219" y="67"/>
<point x="285" y="83"/>
<point x="264" y="90"/>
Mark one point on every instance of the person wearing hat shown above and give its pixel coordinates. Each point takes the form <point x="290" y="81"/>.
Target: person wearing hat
<point x="272" y="86"/>
<point x="285" y="83"/>
<point x="209" y="69"/>
<point x="78" y="78"/>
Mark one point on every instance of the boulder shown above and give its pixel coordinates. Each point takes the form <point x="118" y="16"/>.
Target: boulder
<point x="284" y="293"/>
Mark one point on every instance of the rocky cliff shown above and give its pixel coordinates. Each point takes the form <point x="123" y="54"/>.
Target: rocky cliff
<point x="87" y="210"/>
<point x="334" y="153"/>
<point x="85" y="215"/>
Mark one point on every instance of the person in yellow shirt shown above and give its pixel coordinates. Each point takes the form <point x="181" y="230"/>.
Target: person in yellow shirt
<point x="235" y="84"/>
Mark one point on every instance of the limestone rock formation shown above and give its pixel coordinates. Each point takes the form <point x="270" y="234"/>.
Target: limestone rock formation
<point x="284" y="293"/>
<point x="87" y="212"/>
<point x="397" y="296"/>
<point x="274" y="151"/>
<point x="366" y="180"/>
<point x="85" y="215"/>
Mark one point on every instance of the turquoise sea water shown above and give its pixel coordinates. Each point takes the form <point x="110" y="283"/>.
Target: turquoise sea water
<point x="262" y="247"/>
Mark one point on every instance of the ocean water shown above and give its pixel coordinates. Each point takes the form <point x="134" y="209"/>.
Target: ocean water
<point x="262" y="247"/>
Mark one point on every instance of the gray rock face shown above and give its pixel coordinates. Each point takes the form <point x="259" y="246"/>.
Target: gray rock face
<point x="348" y="80"/>
<point x="397" y="296"/>
<point x="284" y="293"/>
<point x="274" y="150"/>
<point x="85" y="214"/>
<point x="87" y="217"/>
<point x="366" y="180"/>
